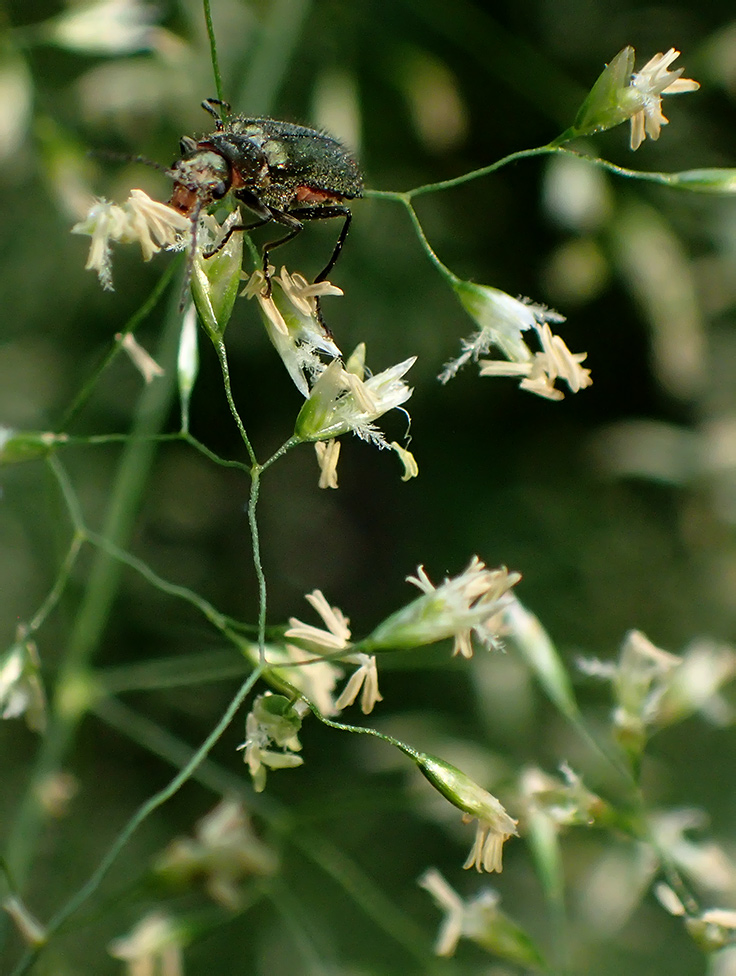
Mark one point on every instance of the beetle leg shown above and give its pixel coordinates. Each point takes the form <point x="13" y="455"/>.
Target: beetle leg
<point x="326" y="213"/>
<point x="266" y="214"/>
<point x="287" y="220"/>
<point x="260" y="209"/>
<point x="218" y="247"/>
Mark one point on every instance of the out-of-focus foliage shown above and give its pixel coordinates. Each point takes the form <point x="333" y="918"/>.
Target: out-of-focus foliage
<point x="618" y="506"/>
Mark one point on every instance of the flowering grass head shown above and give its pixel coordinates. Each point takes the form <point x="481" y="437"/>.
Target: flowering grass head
<point x="331" y="639"/>
<point x="480" y="920"/>
<point x="342" y="401"/>
<point x="274" y="721"/>
<point x="152" y="224"/>
<point x="21" y="689"/>
<point x="154" y="945"/>
<point x="461" y="607"/>
<point x="288" y="306"/>
<point x="494" y="825"/>
<point x="621" y="94"/>
<point x="640" y="679"/>
<point x="504" y="322"/>
<point x="223" y="852"/>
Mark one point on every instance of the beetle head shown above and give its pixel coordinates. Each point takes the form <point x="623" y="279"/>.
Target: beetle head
<point x="201" y="176"/>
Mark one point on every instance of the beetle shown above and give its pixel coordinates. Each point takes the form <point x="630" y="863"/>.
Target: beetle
<point x="282" y="172"/>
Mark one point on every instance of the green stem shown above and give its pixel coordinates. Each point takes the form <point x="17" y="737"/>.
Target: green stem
<point x="123" y="558"/>
<point x="478" y="173"/>
<point x="102" y="586"/>
<point x="133" y="322"/>
<point x="213" y="49"/>
<point x="286" y="446"/>
<point x="697" y="182"/>
<point x="442" y="268"/>
<point x="39" y="617"/>
<point x="203" y="449"/>
<point x="366" y="730"/>
<point x="219" y="345"/>
<point x="143" y="812"/>
<point x="402" y="196"/>
<point x="255" y="485"/>
<point x="95" y="440"/>
<point x="161" y="742"/>
<point x="676" y="181"/>
<point x="557" y="148"/>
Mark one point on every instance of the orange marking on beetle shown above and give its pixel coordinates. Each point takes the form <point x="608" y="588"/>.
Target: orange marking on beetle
<point x="305" y="194"/>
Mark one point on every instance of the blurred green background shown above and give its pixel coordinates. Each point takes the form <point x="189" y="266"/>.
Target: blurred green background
<point x="617" y="505"/>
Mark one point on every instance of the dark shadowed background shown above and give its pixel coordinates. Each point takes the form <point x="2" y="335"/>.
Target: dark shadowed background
<point x="618" y="505"/>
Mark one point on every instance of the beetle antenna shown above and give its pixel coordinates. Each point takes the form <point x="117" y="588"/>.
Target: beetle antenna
<point x="189" y="268"/>
<point x="117" y="157"/>
<point x="209" y="106"/>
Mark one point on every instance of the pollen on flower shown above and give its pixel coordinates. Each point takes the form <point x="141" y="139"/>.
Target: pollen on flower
<point x="290" y="316"/>
<point x="301" y="294"/>
<point x="337" y="635"/>
<point x="255" y="283"/>
<point x="646" y="90"/>
<point x="487" y="850"/>
<point x="621" y="94"/>
<point x="341" y="401"/>
<point x="328" y="454"/>
<point x="269" y="309"/>
<point x="503" y="322"/>
<point x="459" y="607"/>
<point x="495" y="826"/>
<point x="365" y="677"/>
<point x="539" y="375"/>
<point x="142" y="360"/>
<point x="411" y="468"/>
<point x="154" y="225"/>
<point x="273" y="721"/>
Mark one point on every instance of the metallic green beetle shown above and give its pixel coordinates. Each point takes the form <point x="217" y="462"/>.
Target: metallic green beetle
<point x="282" y="172"/>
